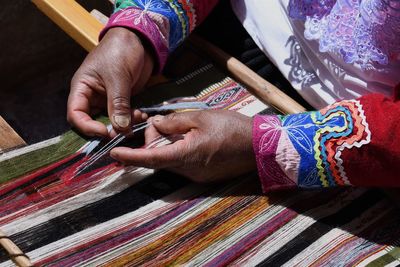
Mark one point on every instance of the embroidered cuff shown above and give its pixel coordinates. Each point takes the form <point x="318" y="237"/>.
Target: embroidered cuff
<point x="164" y="24"/>
<point x="306" y="149"/>
<point x="141" y="22"/>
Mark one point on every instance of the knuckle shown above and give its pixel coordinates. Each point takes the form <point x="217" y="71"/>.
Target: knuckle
<point x="172" y="117"/>
<point x="121" y="103"/>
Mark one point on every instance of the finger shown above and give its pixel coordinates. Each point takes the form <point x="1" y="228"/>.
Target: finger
<point x="112" y="133"/>
<point x="150" y="134"/>
<point x="118" y="104"/>
<point x="138" y="116"/>
<point x="176" y="123"/>
<point x="78" y="109"/>
<point x="169" y="156"/>
<point x="144" y="116"/>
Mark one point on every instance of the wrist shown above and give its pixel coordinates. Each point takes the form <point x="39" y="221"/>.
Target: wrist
<point x="131" y="40"/>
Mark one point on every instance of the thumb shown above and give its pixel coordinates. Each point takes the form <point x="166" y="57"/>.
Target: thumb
<point x="119" y="106"/>
<point x="175" y="123"/>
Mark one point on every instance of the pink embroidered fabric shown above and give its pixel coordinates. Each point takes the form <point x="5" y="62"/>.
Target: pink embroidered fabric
<point x="361" y="31"/>
<point x="267" y="131"/>
<point x="163" y="24"/>
<point x="150" y="25"/>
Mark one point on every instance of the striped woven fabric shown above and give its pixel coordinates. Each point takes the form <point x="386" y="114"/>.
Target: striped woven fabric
<point x="135" y="216"/>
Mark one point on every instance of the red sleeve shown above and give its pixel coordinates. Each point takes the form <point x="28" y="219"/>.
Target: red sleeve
<point x="164" y="24"/>
<point x="378" y="162"/>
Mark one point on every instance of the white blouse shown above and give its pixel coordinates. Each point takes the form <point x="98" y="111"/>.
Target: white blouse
<point x="320" y="77"/>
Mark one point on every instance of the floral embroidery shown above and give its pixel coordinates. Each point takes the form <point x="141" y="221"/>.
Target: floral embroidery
<point x="270" y="129"/>
<point x="319" y="138"/>
<point x="178" y="17"/>
<point x="153" y="25"/>
<point x="360" y="31"/>
<point x="300" y="9"/>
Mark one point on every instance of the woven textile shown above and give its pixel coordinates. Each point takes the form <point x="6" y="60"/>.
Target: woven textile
<point x="135" y="216"/>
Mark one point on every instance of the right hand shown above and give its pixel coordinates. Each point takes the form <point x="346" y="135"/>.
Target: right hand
<point x="116" y="69"/>
<point x="217" y="145"/>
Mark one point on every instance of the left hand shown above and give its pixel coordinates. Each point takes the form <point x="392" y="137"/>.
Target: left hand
<point x="116" y="69"/>
<point x="216" y="145"/>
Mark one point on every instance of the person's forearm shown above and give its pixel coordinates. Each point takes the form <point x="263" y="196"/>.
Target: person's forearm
<point x="163" y="24"/>
<point x="352" y="142"/>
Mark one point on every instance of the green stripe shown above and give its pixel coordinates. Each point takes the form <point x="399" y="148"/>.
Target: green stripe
<point x="123" y="4"/>
<point x="389" y="257"/>
<point x="15" y="167"/>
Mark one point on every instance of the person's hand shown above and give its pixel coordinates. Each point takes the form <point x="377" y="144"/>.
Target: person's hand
<point x="117" y="68"/>
<point x="216" y="145"/>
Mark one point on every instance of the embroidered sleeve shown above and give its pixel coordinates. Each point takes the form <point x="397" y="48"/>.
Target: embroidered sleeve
<point x="361" y="32"/>
<point x="163" y="23"/>
<point x="353" y="142"/>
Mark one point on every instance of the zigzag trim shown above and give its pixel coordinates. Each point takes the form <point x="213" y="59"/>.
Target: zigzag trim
<point x="191" y="13"/>
<point x="317" y="143"/>
<point x="180" y="16"/>
<point x="359" y="144"/>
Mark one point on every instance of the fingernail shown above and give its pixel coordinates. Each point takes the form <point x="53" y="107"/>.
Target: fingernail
<point x="113" y="154"/>
<point x="122" y="121"/>
<point x="158" y="118"/>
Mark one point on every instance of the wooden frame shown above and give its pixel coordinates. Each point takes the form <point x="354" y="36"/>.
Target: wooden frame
<point x="84" y="28"/>
<point x="8" y="137"/>
<point x="76" y="21"/>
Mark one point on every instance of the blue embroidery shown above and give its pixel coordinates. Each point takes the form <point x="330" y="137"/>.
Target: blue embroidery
<point x="172" y="10"/>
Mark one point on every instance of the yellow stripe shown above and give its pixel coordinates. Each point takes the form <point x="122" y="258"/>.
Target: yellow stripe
<point x="141" y="255"/>
<point x="222" y="231"/>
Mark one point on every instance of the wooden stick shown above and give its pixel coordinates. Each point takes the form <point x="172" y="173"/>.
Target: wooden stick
<point x="16" y="255"/>
<point x="261" y="88"/>
<point x="103" y="19"/>
<point x="8" y="137"/>
<point x="78" y="23"/>
<point x="73" y="19"/>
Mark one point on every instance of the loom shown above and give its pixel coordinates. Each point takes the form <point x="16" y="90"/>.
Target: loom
<point x="134" y="216"/>
<point x="115" y="216"/>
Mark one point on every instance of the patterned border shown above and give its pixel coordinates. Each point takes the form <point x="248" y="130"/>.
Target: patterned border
<point x="317" y="139"/>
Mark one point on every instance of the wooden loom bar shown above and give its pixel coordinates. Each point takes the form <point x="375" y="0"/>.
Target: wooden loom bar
<point x="8" y="137"/>
<point x="261" y="88"/>
<point x="85" y="29"/>
<point x="81" y="25"/>
<point x="73" y="19"/>
<point x="16" y="255"/>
